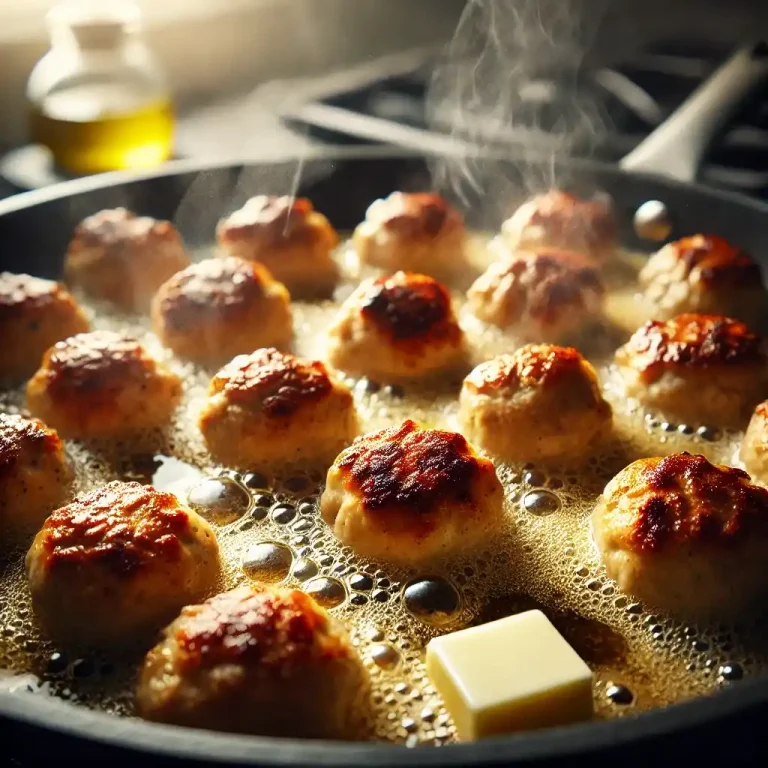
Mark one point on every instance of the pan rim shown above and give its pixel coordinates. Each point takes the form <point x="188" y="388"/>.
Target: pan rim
<point x="154" y="739"/>
<point x="65" y="189"/>
<point x="145" y="738"/>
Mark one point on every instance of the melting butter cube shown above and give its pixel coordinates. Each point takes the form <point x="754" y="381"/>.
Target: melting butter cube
<point x="514" y="674"/>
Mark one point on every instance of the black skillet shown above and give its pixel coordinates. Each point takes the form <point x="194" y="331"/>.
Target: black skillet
<point x="34" y="230"/>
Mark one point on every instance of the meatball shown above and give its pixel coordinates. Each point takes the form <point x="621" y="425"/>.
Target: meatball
<point x="413" y="232"/>
<point x="123" y="258"/>
<point x="35" y="476"/>
<point x="409" y="495"/>
<point x="558" y="219"/>
<point x="259" y="660"/>
<point x="289" y="237"/>
<point x="754" y="445"/>
<point x="396" y="327"/>
<point x="273" y="408"/>
<point x="685" y="536"/>
<point x="542" y="402"/>
<point x="695" y="369"/>
<point x="542" y="296"/>
<point x="704" y="273"/>
<point x="220" y="308"/>
<point x="117" y="563"/>
<point x="34" y="314"/>
<point x="101" y="385"/>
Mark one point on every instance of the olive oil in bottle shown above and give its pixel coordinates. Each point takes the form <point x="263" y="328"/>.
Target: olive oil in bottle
<point x="98" y="100"/>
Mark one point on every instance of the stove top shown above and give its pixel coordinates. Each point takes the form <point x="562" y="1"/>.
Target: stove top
<point x="628" y="99"/>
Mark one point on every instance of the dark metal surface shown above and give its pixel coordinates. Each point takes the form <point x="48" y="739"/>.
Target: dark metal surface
<point x="34" y="231"/>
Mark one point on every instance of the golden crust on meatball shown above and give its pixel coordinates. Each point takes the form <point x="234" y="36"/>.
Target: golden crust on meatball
<point x="34" y="314"/>
<point x="219" y="308"/>
<point x="685" y="535"/>
<point x="102" y="384"/>
<point x="409" y="495"/>
<point x="541" y="402"/>
<point x="250" y="661"/>
<point x="123" y="258"/>
<point x="557" y="219"/>
<point x="396" y="327"/>
<point x="270" y="407"/>
<point x="35" y="476"/>
<point x="416" y="232"/>
<point x="544" y="295"/>
<point x="704" y="273"/>
<point x="118" y="562"/>
<point x="754" y="445"/>
<point x="289" y="237"/>
<point x="698" y="369"/>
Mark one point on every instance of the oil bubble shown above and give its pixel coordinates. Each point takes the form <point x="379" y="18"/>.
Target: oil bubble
<point x="219" y="500"/>
<point x="268" y="561"/>
<point x="327" y="592"/>
<point x="541" y="502"/>
<point x="432" y="600"/>
<point x="304" y="569"/>
<point x="385" y="656"/>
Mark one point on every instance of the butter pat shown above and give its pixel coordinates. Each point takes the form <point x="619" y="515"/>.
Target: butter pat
<point x="514" y="674"/>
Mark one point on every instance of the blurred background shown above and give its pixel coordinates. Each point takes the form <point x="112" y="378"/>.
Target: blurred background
<point x="89" y="86"/>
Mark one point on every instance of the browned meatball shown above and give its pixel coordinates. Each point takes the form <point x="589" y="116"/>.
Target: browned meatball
<point x="35" y="476"/>
<point x="685" y="536"/>
<point x="289" y="237"/>
<point x="270" y="407"/>
<point x="696" y="369"/>
<point x="396" y="327"/>
<point x="558" y="219"/>
<point x="410" y="495"/>
<point x="542" y="296"/>
<point x="102" y="384"/>
<point x="261" y="660"/>
<point x="415" y="232"/>
<point x="541" y="402"/>
<point x="704" y="273"/>
<point x="754" y="445"/>
<point x="123" y="258"/>
<point x="118" y="563"/>
<point x="34" y="314"/>
<point x="219" y="308"/>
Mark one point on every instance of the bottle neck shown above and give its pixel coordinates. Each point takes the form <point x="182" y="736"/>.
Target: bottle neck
<point x="92" y="28"/>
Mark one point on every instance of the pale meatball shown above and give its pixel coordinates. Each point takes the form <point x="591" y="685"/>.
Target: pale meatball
<point x="409" y="495"/>
<point x="258" y="660"/>
<point x="415" y="232"/>
<point x="754" y="446"/>
<point x="34" y="314"/>
<point x="397" y="327"/>
<point x="270" y="407"/>
<point x="685" y="536"/>
<point x="558" y="219"/>
<point x="704" y="273"/>
<point x="117" y="563"/>
<point x="542" y="402"/>
<point x="101" y="385"/>
<point x="35" y="476"/>
<point x="695" y="369"/>
<point x="289" y="237"/>
<point x="220" y="308"/>
<point x="540" y="296"/>
<point x="123" y="258"/>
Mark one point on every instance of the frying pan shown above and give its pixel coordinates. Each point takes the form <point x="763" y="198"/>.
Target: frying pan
<point x="34" y="231"/>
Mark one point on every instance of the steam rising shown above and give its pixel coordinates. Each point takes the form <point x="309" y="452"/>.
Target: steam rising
<point x="498" y="77"/>
<point x="512" y="69"/>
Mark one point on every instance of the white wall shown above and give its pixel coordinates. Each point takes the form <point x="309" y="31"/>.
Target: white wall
<point x="213" y="47"/>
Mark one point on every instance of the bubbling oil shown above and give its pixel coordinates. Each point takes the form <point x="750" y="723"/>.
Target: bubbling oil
<point x="269" y="530"/>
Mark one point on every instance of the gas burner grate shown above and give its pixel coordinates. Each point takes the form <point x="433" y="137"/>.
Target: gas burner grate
<point x="632" y="98"/>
